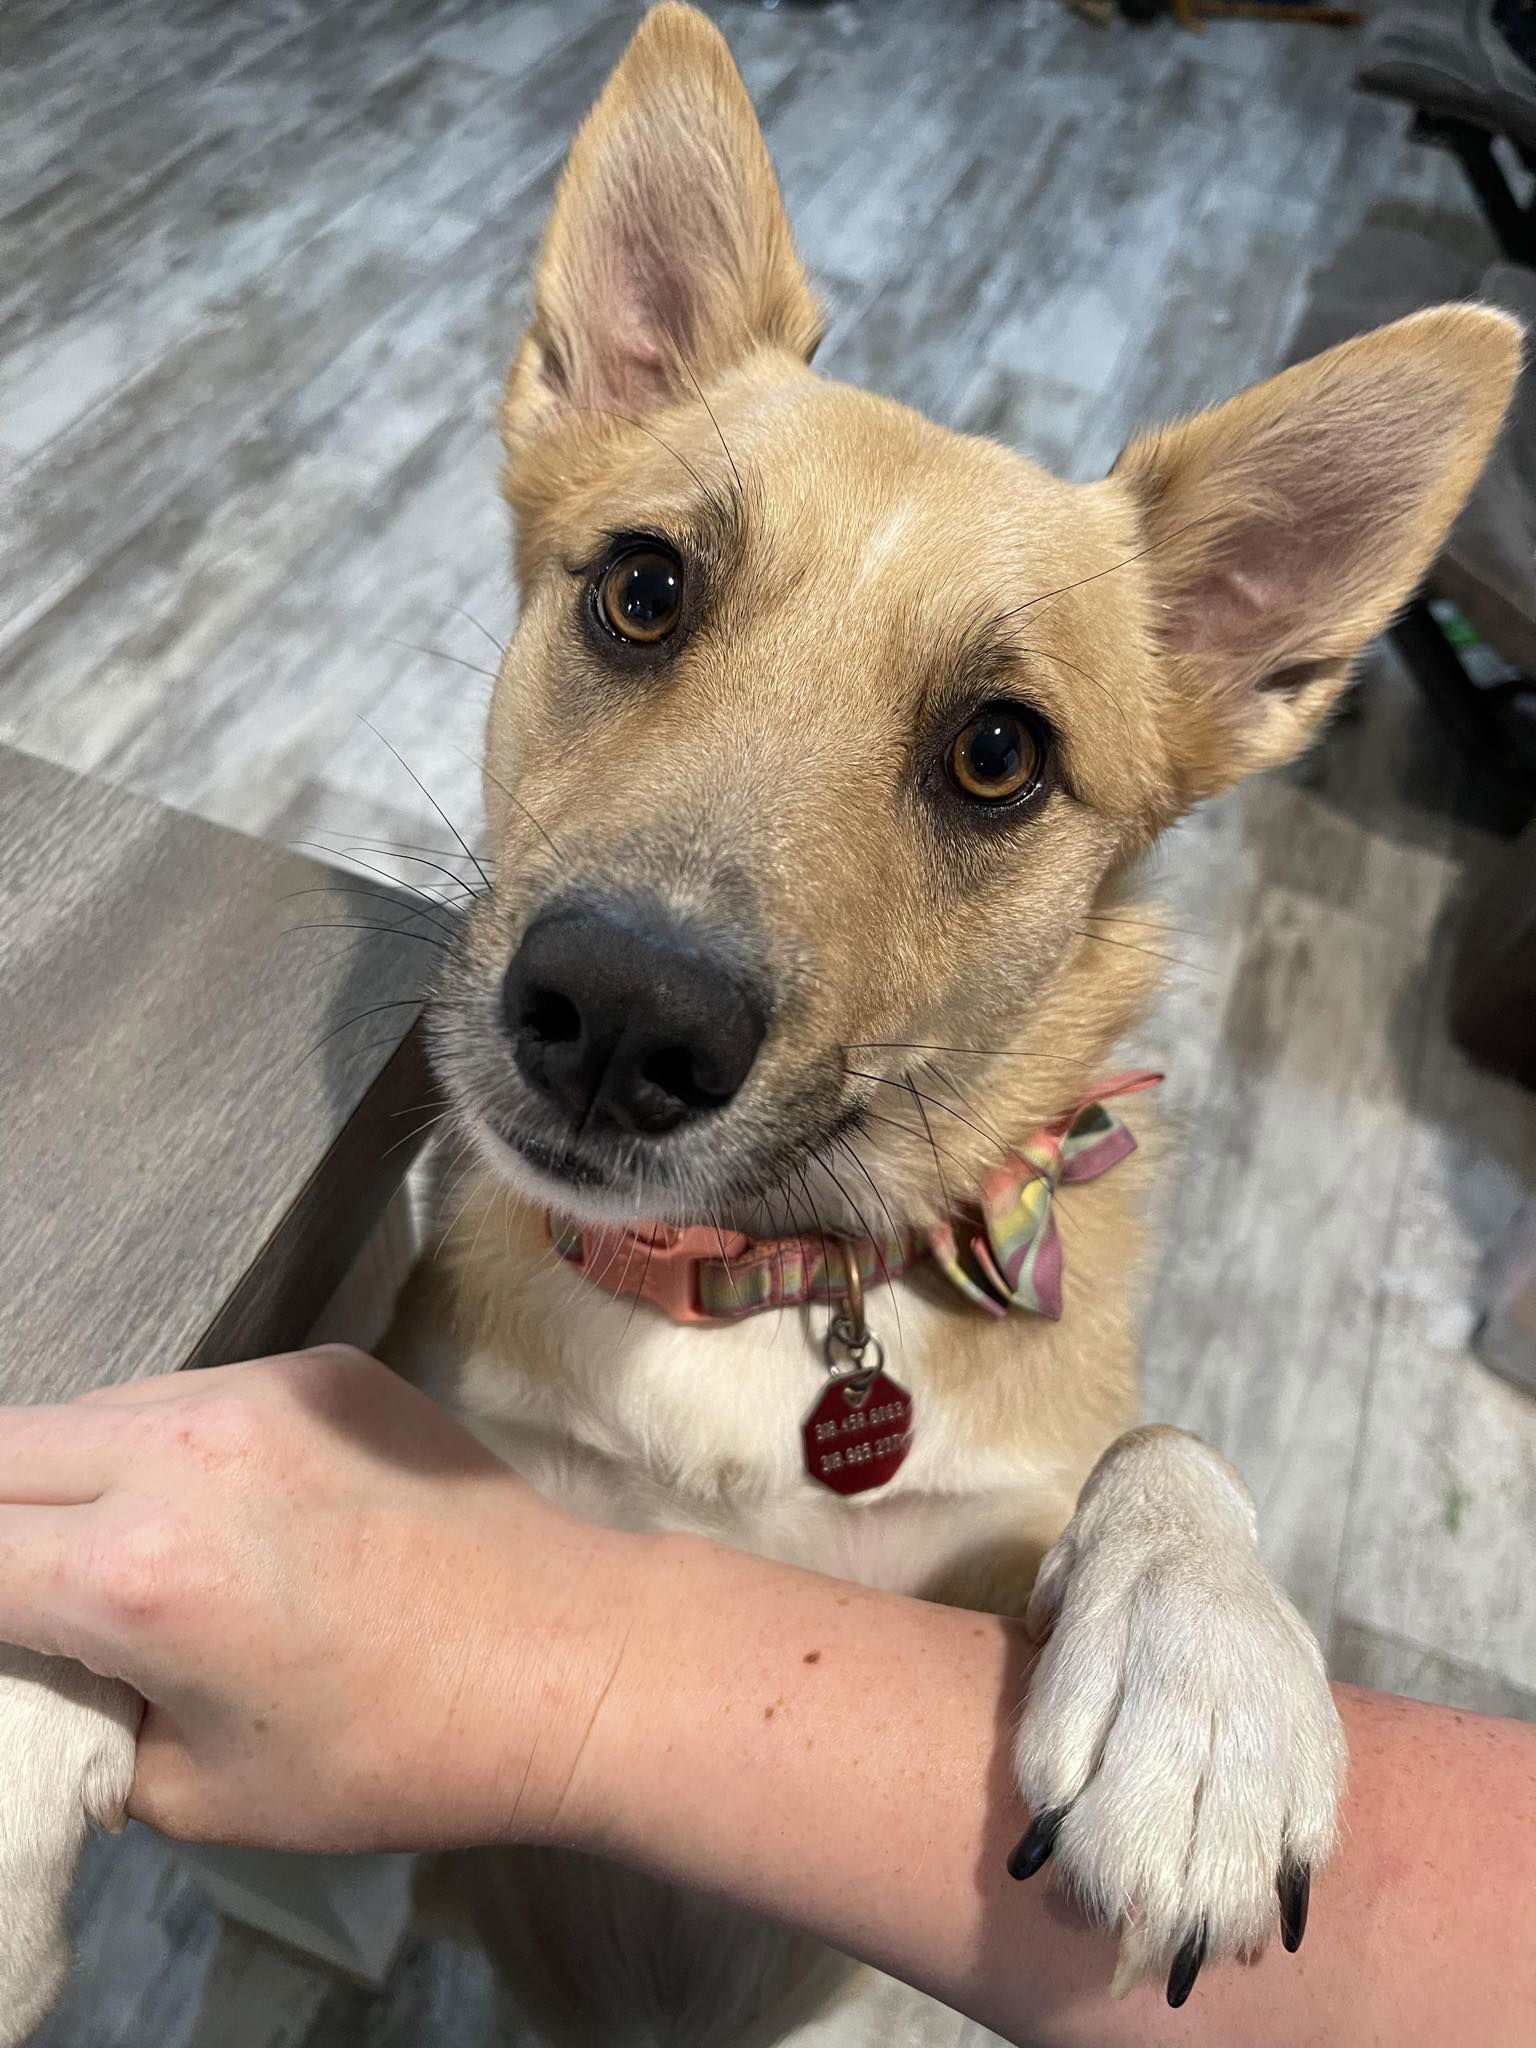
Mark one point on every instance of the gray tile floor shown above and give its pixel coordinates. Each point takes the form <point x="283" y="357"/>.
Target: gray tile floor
<point x="262" y="268"/>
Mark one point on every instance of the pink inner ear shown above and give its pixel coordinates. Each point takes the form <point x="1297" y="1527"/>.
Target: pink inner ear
<point x="1290" y="526"/>
<point x="1321" y="534"/>
<point x="1224" y="609"/>
<point x="635" y="321"/>
<point x="634" y="368"/>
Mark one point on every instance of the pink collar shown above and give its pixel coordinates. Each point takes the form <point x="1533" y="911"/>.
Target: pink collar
<point x="1005" y="1254"/>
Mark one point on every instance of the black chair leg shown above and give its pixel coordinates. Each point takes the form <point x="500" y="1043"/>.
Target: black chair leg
<point x="1465" y="712"/>
<point x="1513" y="225"/>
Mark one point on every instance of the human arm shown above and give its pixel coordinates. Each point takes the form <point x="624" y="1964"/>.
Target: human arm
<point x="876" y="1809"/>
<point x="356" y="1629"/>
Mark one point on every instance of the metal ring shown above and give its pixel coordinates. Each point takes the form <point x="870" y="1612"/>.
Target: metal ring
<point x="853" y="1290"/>
<point x="863" y="1360"/>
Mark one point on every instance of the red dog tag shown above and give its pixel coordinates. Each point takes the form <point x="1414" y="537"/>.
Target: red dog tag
<point x="858" y="1433"/>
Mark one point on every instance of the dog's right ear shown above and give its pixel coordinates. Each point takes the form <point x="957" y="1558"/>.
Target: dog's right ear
<point x="668" y="256"/>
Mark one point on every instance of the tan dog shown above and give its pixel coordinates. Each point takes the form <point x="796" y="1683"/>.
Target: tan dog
<point x="824" y="748"/>
<point x="815" y="769"/>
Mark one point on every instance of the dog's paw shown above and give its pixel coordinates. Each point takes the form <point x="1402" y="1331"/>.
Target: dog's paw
<point x="1179" y="1750"/>
<point x="66" y="1763"/>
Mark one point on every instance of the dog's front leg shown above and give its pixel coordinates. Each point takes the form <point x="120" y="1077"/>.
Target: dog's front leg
<point x="67" y="1738"/>
<point x="1179" y="1751"/>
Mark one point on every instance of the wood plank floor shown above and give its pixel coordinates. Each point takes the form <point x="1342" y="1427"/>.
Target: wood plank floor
<point x="263" y="267"/>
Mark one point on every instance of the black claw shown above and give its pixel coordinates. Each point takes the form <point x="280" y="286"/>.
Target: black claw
<point x="1186" y="1967"/>
<point x="1038" y="1843"/>
<point x="1295" y="1889"/>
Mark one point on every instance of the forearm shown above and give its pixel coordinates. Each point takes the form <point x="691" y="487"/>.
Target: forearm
<point x="354" y="1628"/>
<point x="839" y="1759"/>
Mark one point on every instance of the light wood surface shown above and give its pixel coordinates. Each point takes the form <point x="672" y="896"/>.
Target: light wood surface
<point x="264" y="267"/>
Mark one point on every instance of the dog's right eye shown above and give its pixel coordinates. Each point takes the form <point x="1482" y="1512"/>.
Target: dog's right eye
<point x="640" y="596"/>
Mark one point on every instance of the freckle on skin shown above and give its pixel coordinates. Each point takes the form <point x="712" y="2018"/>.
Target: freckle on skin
<point x="814" y="1656"/>
<point x="843" y="1599"/>
<point x="769" y="1712"/>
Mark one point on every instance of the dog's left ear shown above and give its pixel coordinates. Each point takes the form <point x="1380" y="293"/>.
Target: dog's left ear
<point x="668" y="256"/>
<point x="1283" y="529"/>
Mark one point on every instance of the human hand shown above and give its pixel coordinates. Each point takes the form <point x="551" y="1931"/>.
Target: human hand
<point x="354" y="1627"/>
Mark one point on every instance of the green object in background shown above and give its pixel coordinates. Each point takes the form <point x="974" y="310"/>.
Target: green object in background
<point x="1483" y="665"/>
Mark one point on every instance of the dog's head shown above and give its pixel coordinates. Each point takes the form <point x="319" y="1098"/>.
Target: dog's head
<point x="826" y="731"/>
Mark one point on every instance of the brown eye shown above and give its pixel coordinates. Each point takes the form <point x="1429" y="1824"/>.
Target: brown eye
<point x="641" y="595"/>
<point x="999" y="755"/>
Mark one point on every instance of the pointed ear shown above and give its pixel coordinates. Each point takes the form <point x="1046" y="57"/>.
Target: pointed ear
<point x="668" y="251"/>
<point x="1283" y="529"/>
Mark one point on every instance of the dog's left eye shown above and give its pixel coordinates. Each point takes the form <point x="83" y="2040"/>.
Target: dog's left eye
<point x="640" y="596"/>
<point x="998" y="756"/>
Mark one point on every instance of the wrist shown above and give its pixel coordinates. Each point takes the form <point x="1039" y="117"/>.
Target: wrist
<point x="627" y="1683"/>
<point x="758" y="1703"/>
<point x="548" y="1718"/>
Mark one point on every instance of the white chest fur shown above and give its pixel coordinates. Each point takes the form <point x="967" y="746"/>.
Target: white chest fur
<point x="635" y="1421"/>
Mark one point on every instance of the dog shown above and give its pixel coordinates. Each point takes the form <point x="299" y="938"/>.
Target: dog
<point x="817" y="773"/>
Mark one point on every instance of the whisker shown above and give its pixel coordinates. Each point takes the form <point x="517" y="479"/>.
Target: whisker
<point x="876" y="1116"/>
<point x="1040" y="654"/>
<point x="373" y="1010"/>
<point x="400" y="846"/>
<point x="607" y="1266"/>
<point x="820" y="1227"/>
<point x="446" y="1226"/>
<point x="432" y="800"/>
<point x="629" y="419"/>
<point x="1148" y="924"/>
<point x="394" y="931"/>
<point x="650" y="1253"/>
<point x="499" y="645"/>
<point x="781" y="1231"/>
<point x="982" y="1130"/>
<point x="933" y="1148"/>
<point x="725" y="1261"/>
<point x="1151" y="952"/>
<point x="917" y="1094"/>
<point x="989" y="1052"/>
<point x="948" y="1081"/>
<point x="890" y="1282"/>
<point x="1062" y="589"/>
<point x="354" y="1052"/>
<point x="384" y="875"/>
<point x="450" y="1224"/>
<point x="698" y="387"/>
<point x="846" y="1144"/>
<point x="629" y="1255"/>
<point x="375" y="896"/>
<point x="469" y="892"/>
<point x="1057" y="1194"/>
<point x="513" y="798"/>
<point x="420" y="1131"/>
<point x="442" y="654"/>
<point x="485" y="1217"/>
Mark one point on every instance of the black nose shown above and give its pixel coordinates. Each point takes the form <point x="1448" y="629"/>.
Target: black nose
<point x="624" y="1023"/>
